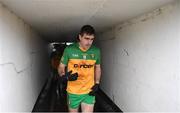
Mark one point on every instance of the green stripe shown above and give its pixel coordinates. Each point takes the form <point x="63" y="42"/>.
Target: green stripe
<point x="74" y="52"/>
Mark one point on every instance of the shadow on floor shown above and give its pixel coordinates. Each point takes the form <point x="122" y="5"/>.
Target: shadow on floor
<point x="52" y="100"/>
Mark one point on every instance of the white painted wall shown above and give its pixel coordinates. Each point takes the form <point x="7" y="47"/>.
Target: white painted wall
<point x="23" y="63"/>
<point x="141" y="62"/>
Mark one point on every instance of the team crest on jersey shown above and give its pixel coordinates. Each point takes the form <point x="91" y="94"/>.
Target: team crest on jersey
<point x="92" y="55"/>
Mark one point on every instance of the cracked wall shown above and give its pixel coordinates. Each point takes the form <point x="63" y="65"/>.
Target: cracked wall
<point x="143" y="61"/>
<point x="23" y="63"/>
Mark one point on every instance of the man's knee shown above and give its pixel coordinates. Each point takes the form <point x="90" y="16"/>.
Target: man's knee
<point x="73" y="110"/>
<point x="87" y="107"/>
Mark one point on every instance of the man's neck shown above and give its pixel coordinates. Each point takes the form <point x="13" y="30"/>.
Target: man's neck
<point x="83" y="48"/>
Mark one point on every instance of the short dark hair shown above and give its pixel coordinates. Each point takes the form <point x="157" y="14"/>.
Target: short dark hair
<point x="87" y="29"/>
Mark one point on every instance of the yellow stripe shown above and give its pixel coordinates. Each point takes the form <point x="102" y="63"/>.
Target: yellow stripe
<point x="85" y="70"/>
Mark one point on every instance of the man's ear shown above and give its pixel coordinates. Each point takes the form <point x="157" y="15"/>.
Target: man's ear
<point x="80" y="37"/>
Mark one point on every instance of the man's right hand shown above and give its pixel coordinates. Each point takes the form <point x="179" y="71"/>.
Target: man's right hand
<point x="70" y="77"/>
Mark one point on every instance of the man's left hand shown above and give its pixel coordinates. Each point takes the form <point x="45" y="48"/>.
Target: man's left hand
<point x="94" y="89"/>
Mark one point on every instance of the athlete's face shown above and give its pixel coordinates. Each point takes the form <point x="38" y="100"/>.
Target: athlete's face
<point x="86" y="40"/>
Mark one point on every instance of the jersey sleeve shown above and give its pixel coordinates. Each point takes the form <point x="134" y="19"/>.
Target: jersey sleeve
<point x="98" y="61"/>
<point x="65" y="57"/>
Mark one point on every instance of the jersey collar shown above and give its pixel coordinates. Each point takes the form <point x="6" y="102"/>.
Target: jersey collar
<point x="77" y="45"/>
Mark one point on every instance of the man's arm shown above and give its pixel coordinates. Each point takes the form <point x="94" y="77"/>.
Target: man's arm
<point x="95" y="88"/>
<point x="67" y="75"/>
<point x="61" y="69"/>
<point x="97" y="73"/>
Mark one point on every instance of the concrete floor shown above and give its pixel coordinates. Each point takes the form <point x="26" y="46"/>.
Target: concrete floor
<point x="51" y="101"/>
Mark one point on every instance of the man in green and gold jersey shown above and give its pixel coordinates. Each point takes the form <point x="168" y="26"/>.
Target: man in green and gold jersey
<point x="83" y="62"/>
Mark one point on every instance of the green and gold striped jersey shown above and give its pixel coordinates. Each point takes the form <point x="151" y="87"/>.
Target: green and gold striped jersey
<point x="82" y="62"/>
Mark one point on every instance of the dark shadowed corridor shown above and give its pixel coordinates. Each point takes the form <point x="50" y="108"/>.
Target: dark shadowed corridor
<point x="53" y="100"/>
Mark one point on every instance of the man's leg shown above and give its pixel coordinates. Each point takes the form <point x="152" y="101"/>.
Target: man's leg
<point x="73" y="110"/>
<point x="73" y="102"/>
<point x="87" y="107"/>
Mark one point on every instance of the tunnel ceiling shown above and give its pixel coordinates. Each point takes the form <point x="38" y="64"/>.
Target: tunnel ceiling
<point x="59" y="20"/>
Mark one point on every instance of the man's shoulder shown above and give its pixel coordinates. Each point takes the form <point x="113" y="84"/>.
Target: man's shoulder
<point x="93" y="47"/>
<point x="72" y="46"/>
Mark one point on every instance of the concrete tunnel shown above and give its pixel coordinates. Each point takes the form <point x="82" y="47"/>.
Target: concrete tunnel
<point x="139" y="42"/>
